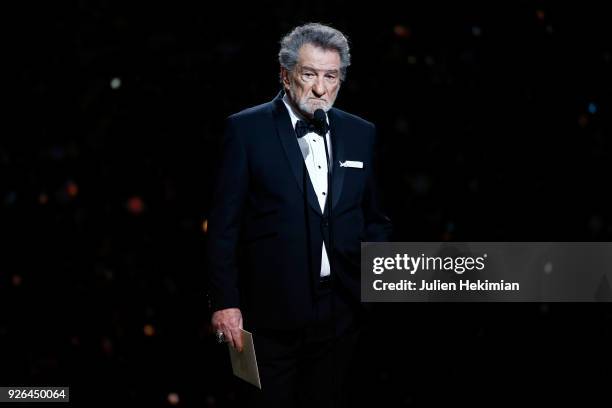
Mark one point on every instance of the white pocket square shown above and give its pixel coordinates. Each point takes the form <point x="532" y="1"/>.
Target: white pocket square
<point x="353" y="164"/>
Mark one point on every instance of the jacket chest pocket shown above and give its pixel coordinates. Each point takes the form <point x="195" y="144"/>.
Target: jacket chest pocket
<point x="354" y="183"/>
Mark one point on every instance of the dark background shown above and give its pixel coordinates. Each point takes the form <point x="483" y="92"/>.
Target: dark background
<point x="494" y="125"/>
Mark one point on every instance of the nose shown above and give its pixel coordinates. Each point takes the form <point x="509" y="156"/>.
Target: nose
<point x="319" y="87"/>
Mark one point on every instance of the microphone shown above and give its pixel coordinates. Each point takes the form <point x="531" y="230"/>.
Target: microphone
<point x="319" y="119"/>
<point x="319" y="116"/>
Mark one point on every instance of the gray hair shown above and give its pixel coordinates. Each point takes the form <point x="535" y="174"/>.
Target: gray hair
<point x="318" y="35"/>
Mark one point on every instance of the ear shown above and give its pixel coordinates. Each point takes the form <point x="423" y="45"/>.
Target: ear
<point x="285" y="78"/>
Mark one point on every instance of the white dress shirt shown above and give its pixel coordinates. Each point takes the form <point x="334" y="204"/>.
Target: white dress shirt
<point x="313" y="152"/>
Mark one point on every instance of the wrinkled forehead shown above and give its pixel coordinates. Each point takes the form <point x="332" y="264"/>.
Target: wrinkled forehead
<point x="319" y="58"/>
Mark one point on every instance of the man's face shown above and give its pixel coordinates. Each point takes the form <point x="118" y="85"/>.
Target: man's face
<point x="315" y="81"/>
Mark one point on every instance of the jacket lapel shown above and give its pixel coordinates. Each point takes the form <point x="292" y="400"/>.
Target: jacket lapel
<point x="337" y="139"/>
<point x="290" y="145"/>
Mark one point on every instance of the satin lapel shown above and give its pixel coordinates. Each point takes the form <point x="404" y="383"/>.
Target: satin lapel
<point x="289" y="142"/>
<point x="337" y="138"/>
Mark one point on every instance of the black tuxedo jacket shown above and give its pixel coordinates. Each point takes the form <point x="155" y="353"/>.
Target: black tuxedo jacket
<point x="266" y="228"/>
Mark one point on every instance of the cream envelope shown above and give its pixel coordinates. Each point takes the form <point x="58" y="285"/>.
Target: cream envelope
<point x="244" y="364"/>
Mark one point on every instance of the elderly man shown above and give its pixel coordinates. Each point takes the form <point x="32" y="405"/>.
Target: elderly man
<point x="295" y="197"/>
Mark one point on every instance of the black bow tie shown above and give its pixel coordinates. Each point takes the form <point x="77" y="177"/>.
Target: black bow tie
<point x="302" y="128"/>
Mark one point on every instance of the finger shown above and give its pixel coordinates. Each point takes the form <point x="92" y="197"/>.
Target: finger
<point x="237" y="336"/>
<point x="228" y="337"/>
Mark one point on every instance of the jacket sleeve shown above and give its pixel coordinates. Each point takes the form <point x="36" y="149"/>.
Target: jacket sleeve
<point x="224" y="221"/>
<point x="377" y="226"/>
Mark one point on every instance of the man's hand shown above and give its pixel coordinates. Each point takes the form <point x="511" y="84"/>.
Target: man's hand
<point x="229" y="321"/>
